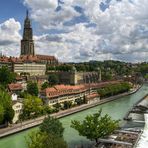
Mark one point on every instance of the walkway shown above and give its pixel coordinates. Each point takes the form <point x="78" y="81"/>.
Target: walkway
<point x="35" y="122"/>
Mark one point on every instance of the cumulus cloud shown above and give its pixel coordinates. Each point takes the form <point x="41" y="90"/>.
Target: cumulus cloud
<point x="72" y="46"/>
<point x="49" y="13"/>
<point x="10" y="37"/>
<point x="100" y="29"/>
<point x="120" y="29"/>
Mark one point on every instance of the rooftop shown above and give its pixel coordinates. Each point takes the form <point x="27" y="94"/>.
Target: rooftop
<point x="27" y="58"/>
<point x="15" y="86"/>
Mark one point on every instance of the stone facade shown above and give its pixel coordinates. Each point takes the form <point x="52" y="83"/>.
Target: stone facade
<point x="30" y="68"/>
<point x="75" y="78"/>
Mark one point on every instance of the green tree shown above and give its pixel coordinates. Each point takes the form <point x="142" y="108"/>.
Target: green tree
<point x="67" y="104"/>
<point x="47" y="110"/>
<point x="114" y="89"/>
<point x="33" y="107"/>
<point x="32" y="88"/>
<point x="79" y="101"/>
<point x="53" y="79"/>
<point x="57" y="106"/>
<point x="146" y="76"/>
<point x="6" y="76"/>
<point x="44" y="85"/>
<point x="40" y="139"/>
<point x="1" y="114"/>
<point x="9" y="113"/>
<point x="6" y="107"/>
<point x="95" y="126"/>
<point x="52" y="126"/>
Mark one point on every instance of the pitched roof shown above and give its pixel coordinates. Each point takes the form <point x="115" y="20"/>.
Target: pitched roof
<point x="69" y="89"/>
<point x="15" y="86"/>
<point x="45" y="57"/>
<point x="27" y="58"/>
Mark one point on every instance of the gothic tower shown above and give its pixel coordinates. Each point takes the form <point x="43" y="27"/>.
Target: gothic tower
<point x="27" y="43"/>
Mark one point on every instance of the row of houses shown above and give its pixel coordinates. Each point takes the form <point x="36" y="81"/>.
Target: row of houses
<point x="57" y="94"/>
<point x="61" y="93"/>
<point x="29" y="64"/>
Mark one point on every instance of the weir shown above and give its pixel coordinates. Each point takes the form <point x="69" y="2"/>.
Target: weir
<point x="143" y="141"/>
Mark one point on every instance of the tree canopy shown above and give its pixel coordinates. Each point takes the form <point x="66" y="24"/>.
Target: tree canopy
<point x="44" y="85"/>
<point x="33" y="107"/>
<point x="114" y="89"/>
<point x="32" y="88"/>
<point x="53" y="79"/>
<point x="52" y="126"/>
<point x="1" y="113"/>
<point x="50" y="135"/>
<point x="40" y="139"/>
<point x="6" y="111"/>
<point x="95" y="126"/>
<point x="6" y="76"/>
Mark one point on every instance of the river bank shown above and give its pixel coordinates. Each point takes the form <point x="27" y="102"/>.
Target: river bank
<point x="35" y="122"/>
<point x="116" y="109"/>
<point x="133" y="137"/>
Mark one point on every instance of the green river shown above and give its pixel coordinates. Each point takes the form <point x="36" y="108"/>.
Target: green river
<point x="117" y="109"/>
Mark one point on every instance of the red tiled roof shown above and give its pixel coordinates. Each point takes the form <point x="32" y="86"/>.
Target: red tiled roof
<point x="92" y="96"/>
<point x="69" y="89"/>
<point x="45" y="57"/>
<point x="15" y="86"/>
<point x="27" y="58"/>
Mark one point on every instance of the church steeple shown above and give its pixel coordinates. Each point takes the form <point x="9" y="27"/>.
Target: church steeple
<point x="27" y="43"/>
<point x="27" y="13"/>
<point x="27" y="23"/>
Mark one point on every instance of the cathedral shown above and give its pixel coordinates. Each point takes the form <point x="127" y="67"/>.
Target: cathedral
<point x="28" y="62"/>
<point x="27" y="43"/>
<point x="27" y="46"/>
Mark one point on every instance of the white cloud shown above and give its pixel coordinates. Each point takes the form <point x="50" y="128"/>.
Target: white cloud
<point x="121" y="30"/>
<point x="10" y="37"/>
<point x="44" y="12"/>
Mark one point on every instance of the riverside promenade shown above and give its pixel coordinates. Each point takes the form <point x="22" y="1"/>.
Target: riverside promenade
<point x="15" y="128"/>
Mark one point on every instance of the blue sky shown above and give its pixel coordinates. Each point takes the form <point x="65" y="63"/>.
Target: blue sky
<point x="12" y="9"/>
<point x="78" y="30"/>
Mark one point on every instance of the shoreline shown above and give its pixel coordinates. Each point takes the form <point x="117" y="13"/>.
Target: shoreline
<point x="16" y="128"/>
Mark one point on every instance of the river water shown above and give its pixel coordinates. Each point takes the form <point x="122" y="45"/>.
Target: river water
<point x="116" y="109"/>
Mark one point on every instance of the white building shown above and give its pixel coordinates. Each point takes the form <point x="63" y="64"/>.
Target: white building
<point x="17" y="107"/>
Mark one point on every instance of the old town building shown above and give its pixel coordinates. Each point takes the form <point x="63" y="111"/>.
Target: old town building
<point x="28" y="62"/>
<point x="75" y="77"/>
<point x="27" y="43"/>
<point x="61" y="93"/>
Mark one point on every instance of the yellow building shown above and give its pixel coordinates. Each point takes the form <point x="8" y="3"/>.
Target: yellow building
<point x="30" y="68"/>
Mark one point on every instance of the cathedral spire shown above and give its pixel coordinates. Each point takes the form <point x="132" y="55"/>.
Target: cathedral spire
<point x="27" y="43"/>
<point x="27" y="13"/>
<point x="27" y="23"/>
